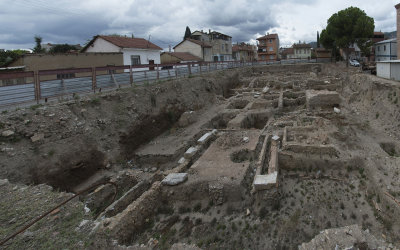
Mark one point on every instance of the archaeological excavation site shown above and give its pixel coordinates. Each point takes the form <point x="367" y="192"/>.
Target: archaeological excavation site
<point x="303" y="156"/>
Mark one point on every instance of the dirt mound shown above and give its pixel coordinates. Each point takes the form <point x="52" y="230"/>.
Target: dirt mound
<point x="67" y="170"/>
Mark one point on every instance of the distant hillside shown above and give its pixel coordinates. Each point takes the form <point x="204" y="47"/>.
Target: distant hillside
<point x="389" y="35"/>
<point x="313" y="44"/>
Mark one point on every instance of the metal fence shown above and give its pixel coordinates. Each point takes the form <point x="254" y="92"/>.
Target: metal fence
<point x="39" y="86"/>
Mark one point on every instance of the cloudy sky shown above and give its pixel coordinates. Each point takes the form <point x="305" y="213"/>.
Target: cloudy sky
<point x="77" y="21"/>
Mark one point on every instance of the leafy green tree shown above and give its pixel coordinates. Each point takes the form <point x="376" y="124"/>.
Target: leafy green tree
<point x="38" y="48"/>
<point x="188" y="33"/>
<point x="347" y="27"/>
<point x="7" y="56"/>
<point x="62" y="48"/>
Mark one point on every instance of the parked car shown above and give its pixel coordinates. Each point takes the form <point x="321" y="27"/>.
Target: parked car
<point x="354" y="63"/>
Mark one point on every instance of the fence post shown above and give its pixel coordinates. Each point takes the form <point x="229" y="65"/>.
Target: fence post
<point x="94" y="79"/>
<point x="200" y="68"/>
<point x="208" y="66"/>
<point x="130" y="75"/>
<point x="36" y="85"/>
<point x="189" y="69"/>
<point x="176" y="71"/>
<point x="158" y="72"/>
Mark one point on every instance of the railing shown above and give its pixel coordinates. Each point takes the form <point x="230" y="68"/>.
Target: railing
<point x="24" y="87"/>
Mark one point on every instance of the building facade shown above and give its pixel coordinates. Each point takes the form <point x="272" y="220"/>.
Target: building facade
<point x="136" y="51"/>
<point x="243" y="52"/>
<point x="201" y="49"/>
<point x="268" y="47"/>
<point x="386" y="50"/>
<point x="302" y="51"/>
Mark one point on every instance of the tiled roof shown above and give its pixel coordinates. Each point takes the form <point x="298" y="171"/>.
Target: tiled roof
<point x="288" y="51"/>
<point x="126" y="42"/>
<point x="184" y="56"/>
<point x="201" y="43"/>
<point x="269" y="36"/>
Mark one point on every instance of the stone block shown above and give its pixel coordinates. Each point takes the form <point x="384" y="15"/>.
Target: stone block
<point x="206" y="137"/>
<point x="190" y="152"/>
<point x="263" y="182"/>
<point x="174" y="179"/>
<point x="7" y="133"/>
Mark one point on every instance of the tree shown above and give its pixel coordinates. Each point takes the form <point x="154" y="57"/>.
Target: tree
<point x="188" y="33"/>
<point x="347" y="27"/>
<point x="62" y="48"/>
<point x="38" y="48"/>
<point x="7" y="56"/>
<point x="318" y="45"/>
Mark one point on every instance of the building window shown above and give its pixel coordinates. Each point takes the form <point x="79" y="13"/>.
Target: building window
<point x="384" y="47"/>
<point x="271" y="49"/>
<point x="135" y="60"/>
<point x="222" y="47"/>
<point x="270" y="40"/>
<point x="65" y="76"/>
<point x="271" y="57"/>
<point x="379" y="48"/>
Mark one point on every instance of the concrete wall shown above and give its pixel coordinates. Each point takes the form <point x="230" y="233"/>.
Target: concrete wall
<point x="388" y="70"/>
<point x="34" y="62"/>
<point x="101" y="45"/>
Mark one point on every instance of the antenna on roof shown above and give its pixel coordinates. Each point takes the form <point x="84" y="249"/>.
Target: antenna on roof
<point x="148" y="41"/>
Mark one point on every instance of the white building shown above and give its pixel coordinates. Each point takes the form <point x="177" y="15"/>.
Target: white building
<point x="136" y="51"/>
<point x="386" y="50"/>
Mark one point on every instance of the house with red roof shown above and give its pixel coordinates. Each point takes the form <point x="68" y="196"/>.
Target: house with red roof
<point x="268" y="47"/>
<point x="135" y="51"/>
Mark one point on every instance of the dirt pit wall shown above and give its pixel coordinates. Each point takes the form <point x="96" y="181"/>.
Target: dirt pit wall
<point x="64" y="144"/>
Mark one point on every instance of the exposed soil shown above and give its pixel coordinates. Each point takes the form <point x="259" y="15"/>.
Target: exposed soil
<point x="334" y="168"/>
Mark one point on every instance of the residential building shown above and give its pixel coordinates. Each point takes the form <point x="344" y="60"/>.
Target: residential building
<point x="220" y="46"/>
<point x="243" y="52"/>
<point x="378" y="37"/>
<point x="268" y="47"/>
<point x="201" y="49"/>
<point x="302" y="51"/>
<point x="386" y="50"/>
<point x="35" y="62"/>
<point x="287" y="53"/>
<point x="136" y="51"/>
<point x="323" y="55"/>
<point x="390" y="69"/>
<point x="178" y="57"/>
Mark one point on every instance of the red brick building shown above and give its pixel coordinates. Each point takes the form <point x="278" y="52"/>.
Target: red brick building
<point x="268" y="47"/>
